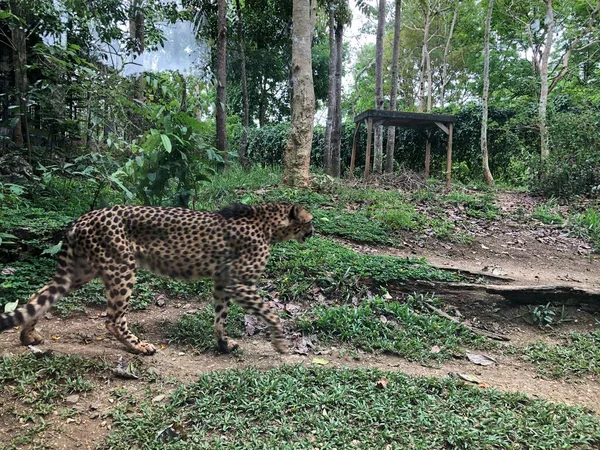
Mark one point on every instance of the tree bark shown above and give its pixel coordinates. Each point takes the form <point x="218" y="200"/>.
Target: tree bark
<point x="336" y="134"/>
<point x="487" y="174"/>
<point x="297" y="155"/>
<point x="246" y="106"/>
<point x="222" y="76"/>
<point x="378" y="144"/>
<point x="444" y="81"/>
<point x="389" y="160"/>
<point x="19" y="42"/>
<point x="136" y="33"/>
<point x="543" y="103"/>
<point x="331" y="95"/>
<point x="425" y="63"/>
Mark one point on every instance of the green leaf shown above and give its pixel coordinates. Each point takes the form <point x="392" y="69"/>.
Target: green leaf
<point x="320" y="361"/>
<point x="53" y="250"/>
<point x="166" y="142"/>
<point x="11" y="306"/>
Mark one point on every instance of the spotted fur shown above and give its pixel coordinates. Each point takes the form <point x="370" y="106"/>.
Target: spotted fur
<point x="230" y="246"/>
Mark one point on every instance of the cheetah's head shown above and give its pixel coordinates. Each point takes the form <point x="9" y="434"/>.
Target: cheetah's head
<point x="297" y="225"/>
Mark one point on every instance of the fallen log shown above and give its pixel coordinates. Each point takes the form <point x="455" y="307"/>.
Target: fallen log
<point x="557" y="294"/>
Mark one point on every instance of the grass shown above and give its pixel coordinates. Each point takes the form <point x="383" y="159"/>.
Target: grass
<point x="392" y="327"/>
<point x="294" y="407"/>
<point x="297" y="268"/>
<point x="548" y="214"/>
<point x="587" y="224"/>
<point x="32" y="388"/>
<point x="196" y="330"/>
<point x="579" y="355"/>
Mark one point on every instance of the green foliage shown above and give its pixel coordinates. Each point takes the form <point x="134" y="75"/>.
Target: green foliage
<point x="20" y="279"/>
<point x="176" y="154"/>
<point x="475" y="205"/>
<point x="355" y="226"/>
<point x="579" y="355"/>
<point x="548" y="214"/>
<point x="587" y="224"/>
<point x="196" y="330"/>
<point x="389" y="326"/>
<point x="297" y="268"/>
<point x="304" y="408"/>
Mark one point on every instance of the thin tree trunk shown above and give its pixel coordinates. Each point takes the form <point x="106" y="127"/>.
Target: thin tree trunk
<point x="389" y="160"/>
<point x="297" y="156"/>
<point x="425" y="63"/>
<point x="331" y="97"/>
<point x="446" y="54"/>
<point x="543" y="104"/>
<point x="336" y="134"/>
<point x="222" y="76"/>
<point x="487" y="174"/>
<point x="378" y="144"/>
<point x="19" y="42"/>
<point x="246" y="118"/>
<point x="136" y="33"/>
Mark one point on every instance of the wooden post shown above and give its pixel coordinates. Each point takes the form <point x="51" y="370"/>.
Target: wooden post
<point x="353" y="156"/>
<point x="427" y="153"/>
<point x="368" y="155"/>
<point x="449" y="155"/>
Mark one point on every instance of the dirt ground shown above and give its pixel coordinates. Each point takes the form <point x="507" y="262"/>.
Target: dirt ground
<point x="526" y="253"/>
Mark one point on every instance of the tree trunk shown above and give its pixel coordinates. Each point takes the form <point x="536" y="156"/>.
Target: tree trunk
<point x="336" y="134"/>
<point x="378" y="145"/>
<point x="425" y="63"/>
<point x="222" y="76"/>
<point x="297" y="155"/>
<point x="331" y="95"/>
<point x="389" y="160"/>
<point x="19" y="42"/>
<point x="487" y="174"/>
<point x="543" y="104"/>
<point x="246" y="118"/>
<point x="136" y="33"/>
<point x="444" y="81"/>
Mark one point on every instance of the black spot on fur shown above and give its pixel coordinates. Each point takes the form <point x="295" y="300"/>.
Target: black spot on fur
<point x="237" y="210"/>
<point x="30" y="309"/>
<point x="19" y="318"/>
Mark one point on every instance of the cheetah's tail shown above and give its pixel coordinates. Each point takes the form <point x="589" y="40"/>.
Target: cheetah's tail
<point x="43" y="299"/>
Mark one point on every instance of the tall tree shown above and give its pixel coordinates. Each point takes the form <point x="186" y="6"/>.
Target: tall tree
<point x="389" y="159"/>
<point x="222" y="76"/>
<point x="378" y="141"/>
<point x="19" y="46"/>
<point x="331" y="95"/>
<point x="445" y="79"/>
<point x="244" y="81"/>
<point x="487" y="174"/>
<point x="299" y="144"/>
<point x="336" y="133"/>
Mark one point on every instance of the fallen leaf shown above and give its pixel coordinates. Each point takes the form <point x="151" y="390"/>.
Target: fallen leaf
<point x="481" y="360"/>
<point x="72" y="399"/>
<point x="469" y="378"/>
<point x="11" y="306"/>
<point x="320" y="361"/>
<point x="252" y="325"/>
<point x="435" y="349"/>
<point x="382" y="383"/>
<point x="158" y="398"/>
<point x="125" y="369"/>
<point x="38" y="352"/>
<point x="55" y="338"/>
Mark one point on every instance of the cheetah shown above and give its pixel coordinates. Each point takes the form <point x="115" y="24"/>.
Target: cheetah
<point x="231" y="246"/>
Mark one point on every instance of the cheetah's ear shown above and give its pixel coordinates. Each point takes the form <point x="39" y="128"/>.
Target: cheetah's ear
<point x="294" y="211"/>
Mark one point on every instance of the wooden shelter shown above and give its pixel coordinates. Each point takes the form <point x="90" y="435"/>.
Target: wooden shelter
<point x="424" y="121"/>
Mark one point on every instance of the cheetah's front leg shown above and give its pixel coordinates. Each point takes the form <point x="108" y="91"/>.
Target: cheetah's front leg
<point x="248" y="298"/>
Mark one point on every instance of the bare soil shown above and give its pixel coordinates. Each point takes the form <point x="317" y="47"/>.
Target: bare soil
<point x="527" y="252"/>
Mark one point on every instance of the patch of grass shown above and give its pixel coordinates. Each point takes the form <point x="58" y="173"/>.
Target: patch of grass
<point x="32" y="388"/>
<point x="355" y="226"/>
<point x="587" y="224"/>
<point x="294" y="407"/>
<point x="296" y="268"/>
<point x="548" y="213"/>
<point x="196" y="330"/>
<point x="476" y="205"/>
<point x="389" y="326"/>
<point x="20" y="279"/>
<point x="579" y="355"/>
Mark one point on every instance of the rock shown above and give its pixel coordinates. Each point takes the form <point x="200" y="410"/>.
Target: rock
<point x="158" y="398"/>
<point x="72" y="399"/>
